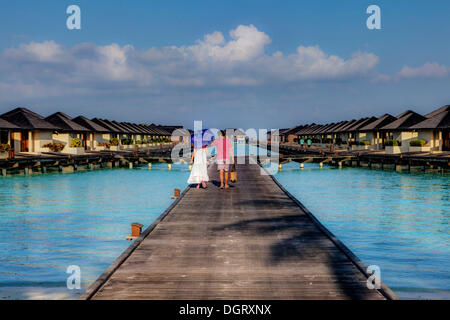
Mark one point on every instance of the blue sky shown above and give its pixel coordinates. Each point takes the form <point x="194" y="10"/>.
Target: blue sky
<point x="149" y="61"/>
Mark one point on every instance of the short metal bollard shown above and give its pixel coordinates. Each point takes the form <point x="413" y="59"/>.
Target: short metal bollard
<point x="136" y="229"/>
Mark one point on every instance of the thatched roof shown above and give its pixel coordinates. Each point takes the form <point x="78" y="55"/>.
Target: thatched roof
<point x="122" y="128"/>
<point x="407" y="120"/>
<point x="333" y="127"/>
<point x="380" y="122"/>
<point x="65" y="123"/>
<point x="91" y="125"/>
<point x="324" y="128"/>
<point x="7" y="125"/>
<point x="159" y="130"/>
<point x="404" y="114"/>
<point x="28" y="120"/>
<point x="282" y="131"/>
<point x="107" y="125"/>
<point x="439" y="121"/>
<point x="351" y="125"/>
<point x="437" y="111"/>
<point x="347" y="125"/>
<point x="294" y="130"/>
<point x="137" y="128"/>
<point x="307" y="129"/>
<point x="364" y="122"/>
<point x="171" y="129"/>
<point x="337" y="127"/>
<point x="148" y="129"/>
<point x="304" y="129"/>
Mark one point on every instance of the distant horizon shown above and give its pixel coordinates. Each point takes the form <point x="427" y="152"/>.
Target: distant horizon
<point x="251" y="64"/>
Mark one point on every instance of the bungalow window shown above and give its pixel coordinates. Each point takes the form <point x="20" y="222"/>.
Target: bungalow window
<point x="3" y="136"/>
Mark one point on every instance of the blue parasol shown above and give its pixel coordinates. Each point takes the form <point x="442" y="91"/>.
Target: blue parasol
<point x="202" y="138"/>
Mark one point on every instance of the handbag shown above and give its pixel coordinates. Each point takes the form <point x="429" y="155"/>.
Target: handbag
<point x="233" y="173"/>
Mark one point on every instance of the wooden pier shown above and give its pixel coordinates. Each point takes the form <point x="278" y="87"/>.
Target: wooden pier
<point x="252" y="241"/>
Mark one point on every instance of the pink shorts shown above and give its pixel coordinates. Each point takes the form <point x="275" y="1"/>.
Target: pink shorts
<point x="222" y="166"/>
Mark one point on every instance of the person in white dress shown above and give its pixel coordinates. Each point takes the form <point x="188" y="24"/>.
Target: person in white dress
<point x="199" y="173"/>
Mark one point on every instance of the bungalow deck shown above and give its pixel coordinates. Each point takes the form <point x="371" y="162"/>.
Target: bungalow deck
<point x="39" y="163"/>
<point x="253" y="241"/>
<point x="426" y="160"/>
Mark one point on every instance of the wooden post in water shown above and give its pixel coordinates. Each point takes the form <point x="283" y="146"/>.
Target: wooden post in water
<point x="44" y="169"/>
<point x="27" y="171"/>
<point x="130" y="165"/>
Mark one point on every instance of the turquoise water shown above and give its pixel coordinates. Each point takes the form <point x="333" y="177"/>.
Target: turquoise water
<point x="398" y="221"/>
<point x="51" y="221"/>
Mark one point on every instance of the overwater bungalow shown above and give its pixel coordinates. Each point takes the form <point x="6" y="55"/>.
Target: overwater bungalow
<point x="35" y="132"/>
<point x="128" y="134"/>
<point x="399" y="133"/>
<point x="303" y="132"/>
<point x="371" y="133"/>
<point x="6" y="132"/>
<point x="98" y="135"/>
<point x="162" y="133"/>
<point x="290" y="135"/>
<point x="114" y="132"/>
<point x="408" y="132"/>
<point x="346" y="133"/>
<point x="170" y="130"/>
<point x="337" y="135"/>
<point x="340" y="134"/>
<point x="71" y="134"/>
<point x="140" y="134"/>
<point x="149" y="133"/>
<point x="352" y="133"/>
<point x="434" y="131"/>
<point x="27" y="131"/>
<point x="320" y="133"/>
<point x="314" y="133"/>
<point x="329" y="133"/>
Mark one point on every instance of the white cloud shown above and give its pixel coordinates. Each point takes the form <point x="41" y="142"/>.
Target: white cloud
<point x="428" y="70"/>
<point x="214" y="61"/>
<point x="47" y="51"/>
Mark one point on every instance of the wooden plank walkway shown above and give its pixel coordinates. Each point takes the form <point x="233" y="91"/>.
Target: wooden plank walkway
<point x="252" y="241"/>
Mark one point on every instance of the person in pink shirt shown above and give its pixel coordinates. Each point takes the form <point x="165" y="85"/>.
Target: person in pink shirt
<point x="225" y="157"/>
